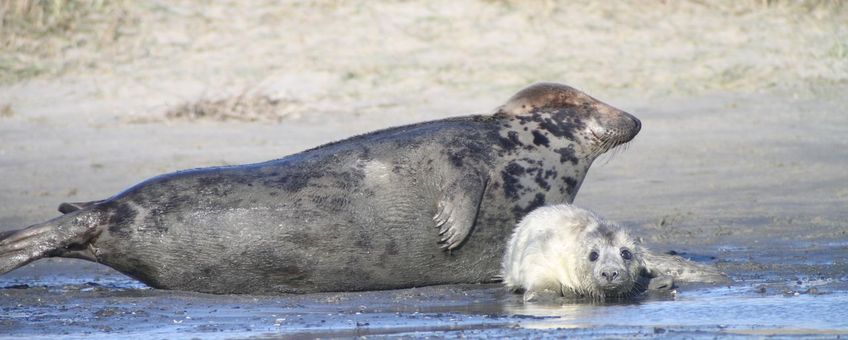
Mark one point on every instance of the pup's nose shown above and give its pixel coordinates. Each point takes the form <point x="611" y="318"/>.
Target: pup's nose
<point x="610" y="275"/>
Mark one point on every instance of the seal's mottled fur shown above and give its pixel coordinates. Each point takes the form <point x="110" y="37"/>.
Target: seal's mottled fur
<point x="423" y="204"/>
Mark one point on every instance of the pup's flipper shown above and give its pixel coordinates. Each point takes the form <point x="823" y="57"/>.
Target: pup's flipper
<point x="681" y="270"/>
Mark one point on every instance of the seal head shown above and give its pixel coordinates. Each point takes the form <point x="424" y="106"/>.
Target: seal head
<point x="601" y="125"/>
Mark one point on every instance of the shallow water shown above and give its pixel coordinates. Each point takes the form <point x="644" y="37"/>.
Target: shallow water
<point x="74" y="299"/>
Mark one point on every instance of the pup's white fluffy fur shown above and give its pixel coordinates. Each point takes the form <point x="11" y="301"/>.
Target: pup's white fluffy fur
<point x="549" y="251"/>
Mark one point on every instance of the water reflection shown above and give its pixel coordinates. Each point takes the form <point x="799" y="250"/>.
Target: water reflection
<point x="735" y="309"/>
<point x="706" y="308"/>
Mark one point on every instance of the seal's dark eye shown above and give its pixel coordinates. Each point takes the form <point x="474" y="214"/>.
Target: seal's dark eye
<point x="593" y="256"/>
<point x="626" y="254"/>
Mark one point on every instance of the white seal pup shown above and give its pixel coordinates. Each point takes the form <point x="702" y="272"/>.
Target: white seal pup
<point x="563" y="250"/>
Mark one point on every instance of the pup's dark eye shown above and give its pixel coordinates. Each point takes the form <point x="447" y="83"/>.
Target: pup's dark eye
<point x="593" y="256"/>
<point x="626" y="254"/>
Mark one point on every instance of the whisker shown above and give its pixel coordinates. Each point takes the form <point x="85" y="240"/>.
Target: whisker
<point x="612" y="149"/>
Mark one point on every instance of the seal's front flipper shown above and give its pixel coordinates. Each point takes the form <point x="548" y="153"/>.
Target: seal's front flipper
<point x="457" y="210"/>
<point x="68" y="235"/>
<point x="542" y="295"/>
<point x="680" y="269"/>
<point x="661" y="283"/>
<point x="69" y="207"/>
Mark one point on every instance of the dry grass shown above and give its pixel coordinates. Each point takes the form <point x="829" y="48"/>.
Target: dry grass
<point x="244" y="107"/>
<point x="42" y="16"/>
<point x="37" y="34"/>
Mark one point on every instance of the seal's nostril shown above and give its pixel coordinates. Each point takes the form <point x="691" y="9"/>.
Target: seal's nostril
<point x="609" y="275"/>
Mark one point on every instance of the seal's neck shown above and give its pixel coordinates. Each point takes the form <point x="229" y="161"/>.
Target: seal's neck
<point x="544" y="160"/>
<point x="549" y="132"/>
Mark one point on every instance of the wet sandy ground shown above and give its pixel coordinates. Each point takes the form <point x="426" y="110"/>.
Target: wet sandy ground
<point x="86" y="301"/>
<point x="755" y="184"/>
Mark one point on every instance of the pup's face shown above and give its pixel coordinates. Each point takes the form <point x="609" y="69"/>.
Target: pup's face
<point x="613" y="259"/>
<point x="574" y="251"/>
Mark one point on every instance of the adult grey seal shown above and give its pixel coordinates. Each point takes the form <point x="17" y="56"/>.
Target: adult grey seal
<point x="422" y="204"/>
<point x="563" y="250"/>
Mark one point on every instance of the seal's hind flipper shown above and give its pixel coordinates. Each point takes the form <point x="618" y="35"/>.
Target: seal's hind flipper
<point x="20" y="247"/>
<point x="457" y="210"/>
<point x="69" y="207"/>
<point x="65" y="235"/>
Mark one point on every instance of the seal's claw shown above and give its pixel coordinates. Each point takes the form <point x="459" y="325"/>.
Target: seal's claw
<point x="448" y="246"/>
<point x="447" y="237"/>
<point x="452" y="243"/>
<point x="440" y="223"/>
<point x="457" y="210"/>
